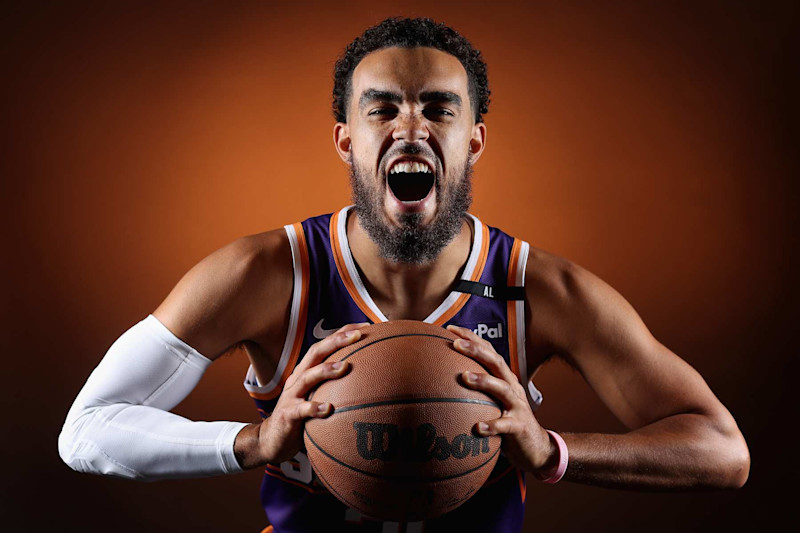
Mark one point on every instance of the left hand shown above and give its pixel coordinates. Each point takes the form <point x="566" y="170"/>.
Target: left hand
<point x="526" y="443"/>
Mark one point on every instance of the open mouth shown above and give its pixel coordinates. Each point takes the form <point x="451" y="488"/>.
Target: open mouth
<point x="410" y="182"/>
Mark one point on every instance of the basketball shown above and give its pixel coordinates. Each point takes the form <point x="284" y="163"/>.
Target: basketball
<point x="399" y="444"/>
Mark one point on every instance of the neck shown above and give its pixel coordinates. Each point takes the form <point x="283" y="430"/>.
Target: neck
<point x="404" y="290"/>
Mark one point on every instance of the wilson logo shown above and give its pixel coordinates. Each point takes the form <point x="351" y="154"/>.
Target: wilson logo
<point x="388" y="442"/>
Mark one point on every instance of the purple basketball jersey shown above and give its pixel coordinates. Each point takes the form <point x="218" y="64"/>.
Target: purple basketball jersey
<point x="328" y="293"/>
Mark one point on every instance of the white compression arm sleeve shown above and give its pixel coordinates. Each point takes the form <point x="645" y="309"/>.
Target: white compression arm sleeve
<point x="119" y="424"/>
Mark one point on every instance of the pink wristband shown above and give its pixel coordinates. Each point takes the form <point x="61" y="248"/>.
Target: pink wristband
<point x="556" y="473"/>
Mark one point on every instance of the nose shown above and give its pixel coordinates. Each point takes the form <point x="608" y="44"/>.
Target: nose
<point x="410" y="127"/>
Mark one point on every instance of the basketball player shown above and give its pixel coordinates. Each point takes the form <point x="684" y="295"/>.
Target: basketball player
<point x="409" y="97"/>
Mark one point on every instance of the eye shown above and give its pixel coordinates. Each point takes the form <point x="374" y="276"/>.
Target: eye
<point x="438" y="112"/>
<point x="382" y="111"/>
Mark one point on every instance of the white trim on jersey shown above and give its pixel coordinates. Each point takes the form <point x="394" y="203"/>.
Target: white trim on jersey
<point x="472" y="261"/>
<point x="522" y="260"/>
<point x="251" y="383"/>
<point x="351" y="265"/>
<point x="534" y="395"/>
<point x="469" y="269"/>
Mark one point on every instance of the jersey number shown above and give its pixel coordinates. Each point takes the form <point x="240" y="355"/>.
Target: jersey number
<point x="299" y="469"/>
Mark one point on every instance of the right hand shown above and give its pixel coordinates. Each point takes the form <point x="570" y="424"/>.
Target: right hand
<point x="281" y="435"/>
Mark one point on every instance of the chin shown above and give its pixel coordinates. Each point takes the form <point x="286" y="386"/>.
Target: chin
<point x="416" y="230"/>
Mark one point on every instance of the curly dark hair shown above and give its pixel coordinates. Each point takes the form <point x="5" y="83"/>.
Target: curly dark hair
<point x="408" y="33"/>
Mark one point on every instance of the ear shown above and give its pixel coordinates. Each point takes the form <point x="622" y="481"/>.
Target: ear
<point x="341" y="139"/>
<point x="478" y="142"/>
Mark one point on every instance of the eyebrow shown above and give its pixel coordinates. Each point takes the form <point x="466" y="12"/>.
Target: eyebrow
<point x="375" y="95"/>
<point x="441" y="96"/>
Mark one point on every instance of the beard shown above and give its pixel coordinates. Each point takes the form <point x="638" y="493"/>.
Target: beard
<point x="412" y="242"/>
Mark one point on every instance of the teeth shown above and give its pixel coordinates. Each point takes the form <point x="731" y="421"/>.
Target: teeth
<point x="409" y="166"/>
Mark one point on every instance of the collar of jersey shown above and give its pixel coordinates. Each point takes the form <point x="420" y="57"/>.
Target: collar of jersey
<point x="355" y="286"/>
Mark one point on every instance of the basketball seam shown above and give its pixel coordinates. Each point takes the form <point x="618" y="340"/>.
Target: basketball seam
<point x="413" y="401"/>
<point x="311" y="394"/>
<point x="333" y="490"/>
<point x="395" y="337"/>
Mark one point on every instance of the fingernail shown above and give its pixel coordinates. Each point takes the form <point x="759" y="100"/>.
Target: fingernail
<point x="337" y="365"/>
<point x="350" y="335"/>
<point x="483" y="427"/>
<point x="464" y="345"/>
<point x="322" y="408"/>
<point x="471" y="377"/>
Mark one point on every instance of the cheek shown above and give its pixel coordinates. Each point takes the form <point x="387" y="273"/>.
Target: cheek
<point x="366" y="132"/>
<point x="457" y="151"/>
<point x="367" y="145"/>
<point x="455" y="141"/>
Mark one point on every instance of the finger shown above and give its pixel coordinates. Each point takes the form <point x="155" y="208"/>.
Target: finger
<point x="471" y="337"/>
<point x="320" y="350"/>
<point x="510" y="394"/>
<point x="315" y="375"/>
<point x="499" y="426"/>
<point x="484" y="353"/>
<point x="465" y="333"/>
<point x="312" y="410"/>
<point x="356" y="325"/>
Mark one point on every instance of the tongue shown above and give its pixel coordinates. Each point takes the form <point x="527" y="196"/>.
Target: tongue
<point x="412" y="186"/>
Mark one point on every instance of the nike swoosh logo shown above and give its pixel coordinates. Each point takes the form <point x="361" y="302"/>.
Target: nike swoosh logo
<point x="320" y="332"/>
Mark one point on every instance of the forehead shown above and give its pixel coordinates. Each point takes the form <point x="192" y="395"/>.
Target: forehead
<point x="410" y="71"/>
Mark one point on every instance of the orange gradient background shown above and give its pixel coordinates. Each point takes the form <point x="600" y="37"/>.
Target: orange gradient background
<point x="652" y="143"/>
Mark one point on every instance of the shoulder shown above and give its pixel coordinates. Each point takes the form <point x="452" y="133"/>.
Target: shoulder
<point x="566" y="304"/>
<point x="254" y="254"/>
<point x="237" y="293"/>
<point x="548" y="277"/>
<point x="250" y="264"/>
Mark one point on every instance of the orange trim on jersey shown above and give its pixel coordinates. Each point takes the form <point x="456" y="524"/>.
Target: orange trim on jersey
<point x="267" y="529"/>
<point x="476" y="276"/>
<point x="341" y="266"/>
<point x="301" y="318"/>
<point x="523" y="487"/>
<point x="499" y="476"/>
<point x="513" y="353"/>
<point x="266" y="395"/>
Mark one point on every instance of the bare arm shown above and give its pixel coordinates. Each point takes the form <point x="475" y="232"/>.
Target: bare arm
<point x="680" y="435"/>
<point x="237" y="294"/>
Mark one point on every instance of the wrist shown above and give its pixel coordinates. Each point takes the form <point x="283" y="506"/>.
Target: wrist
<point x="246" y="447"/>
<point x="555" y="467"/>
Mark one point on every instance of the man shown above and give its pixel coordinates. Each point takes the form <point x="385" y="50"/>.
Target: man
<point x="409" y="96"/>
